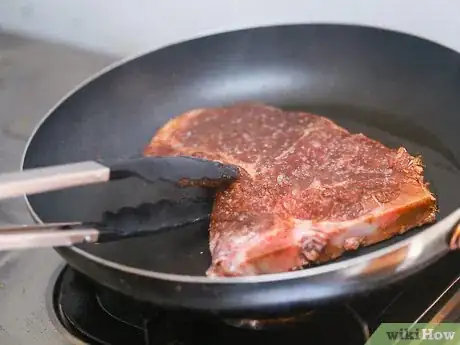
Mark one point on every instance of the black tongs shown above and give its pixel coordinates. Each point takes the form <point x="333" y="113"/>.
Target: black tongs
<point x="128" y="222"/>
<point x="183" y="171"/>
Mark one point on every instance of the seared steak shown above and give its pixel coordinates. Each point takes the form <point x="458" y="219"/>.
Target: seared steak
<point x="309" y="190"/>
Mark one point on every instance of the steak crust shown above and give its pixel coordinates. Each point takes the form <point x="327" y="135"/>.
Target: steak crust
<point x="309" y="190"/>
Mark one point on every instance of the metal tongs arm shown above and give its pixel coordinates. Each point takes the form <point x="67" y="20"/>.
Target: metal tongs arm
<point x="47" y="235"/>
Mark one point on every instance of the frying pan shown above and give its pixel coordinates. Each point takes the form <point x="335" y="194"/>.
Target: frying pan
<point x="393" y="87"/>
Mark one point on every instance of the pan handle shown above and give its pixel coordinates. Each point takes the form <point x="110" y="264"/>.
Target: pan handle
<point x="47" y="179"/>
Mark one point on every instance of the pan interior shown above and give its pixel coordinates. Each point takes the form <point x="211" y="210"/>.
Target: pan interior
<point x="395" y="88"/>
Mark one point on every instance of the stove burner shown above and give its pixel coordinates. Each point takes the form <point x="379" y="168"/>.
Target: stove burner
<point x="275" y="323"/>
<point x="88" y="313"/>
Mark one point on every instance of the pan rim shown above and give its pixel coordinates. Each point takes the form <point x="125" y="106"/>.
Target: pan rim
<point x="266" y="278"/>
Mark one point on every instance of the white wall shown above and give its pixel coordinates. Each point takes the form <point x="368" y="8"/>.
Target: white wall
<point x="129" y="26"/>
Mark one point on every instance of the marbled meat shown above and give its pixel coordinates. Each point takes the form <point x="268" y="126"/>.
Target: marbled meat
<point x="309" y="190"/>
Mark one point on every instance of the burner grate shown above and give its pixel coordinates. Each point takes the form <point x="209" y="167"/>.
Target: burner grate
<point x="97" y="315"/>
<point x="88" y="313"/>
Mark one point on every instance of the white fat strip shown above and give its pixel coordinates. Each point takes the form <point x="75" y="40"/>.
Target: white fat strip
<point x="335" y="232"/>
<point x="240" y="257"/>
<point x="235" y="252"/>
<point x="355" y="229"/>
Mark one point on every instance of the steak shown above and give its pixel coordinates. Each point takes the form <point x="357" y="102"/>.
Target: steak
<point x="309" y="190"/>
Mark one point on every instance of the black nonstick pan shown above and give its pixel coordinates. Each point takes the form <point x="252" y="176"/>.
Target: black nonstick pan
<point x="395" y="88"/>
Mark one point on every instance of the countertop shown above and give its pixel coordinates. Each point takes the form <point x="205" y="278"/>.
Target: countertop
<point x="34" y="75"/>
<point x="127" y="27"/>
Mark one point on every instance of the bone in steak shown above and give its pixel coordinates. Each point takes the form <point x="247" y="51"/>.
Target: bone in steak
<point x="309" y="190"/>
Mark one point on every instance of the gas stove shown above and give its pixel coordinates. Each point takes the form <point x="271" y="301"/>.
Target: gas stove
<point x="45" y="302"/>
<point x="84" y="312"/>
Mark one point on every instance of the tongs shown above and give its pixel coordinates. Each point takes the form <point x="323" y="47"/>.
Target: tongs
<point x="129" y="222"/>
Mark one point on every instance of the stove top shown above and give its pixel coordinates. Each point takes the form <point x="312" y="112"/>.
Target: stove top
<point x="85" y="312"/>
